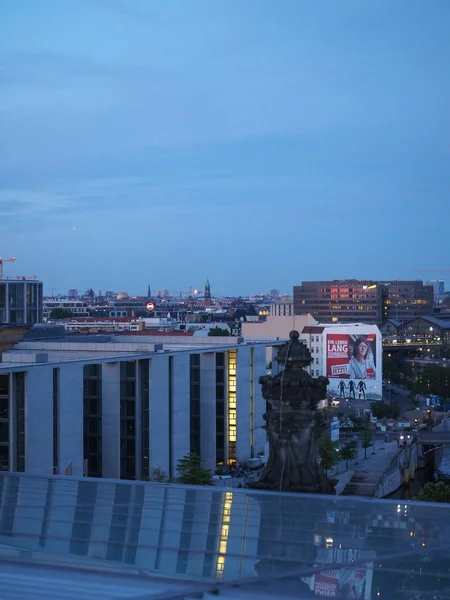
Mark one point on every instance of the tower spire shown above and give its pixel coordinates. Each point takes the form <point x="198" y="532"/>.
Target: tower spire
<point x="207" y="289"/>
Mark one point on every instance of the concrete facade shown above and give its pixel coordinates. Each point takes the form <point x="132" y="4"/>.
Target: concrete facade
<point x="276" y="327"/>
<point x="127" y="412"/>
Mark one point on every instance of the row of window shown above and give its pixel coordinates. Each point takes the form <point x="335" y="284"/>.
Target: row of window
<point x="18" y="404"/>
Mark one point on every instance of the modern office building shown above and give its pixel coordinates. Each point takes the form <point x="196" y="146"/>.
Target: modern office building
<point x="339" y="301"/>
<point x="20" y="301"/>
<point x="373" y="302"/>
<point x="438" y="286"/>
<point x="404" y="300"/>
<point x="121" y="406"/>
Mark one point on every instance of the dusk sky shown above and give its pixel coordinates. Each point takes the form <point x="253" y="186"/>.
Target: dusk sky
<point x="260" y="143"/>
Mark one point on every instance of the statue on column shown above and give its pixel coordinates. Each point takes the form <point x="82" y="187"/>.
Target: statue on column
<point x="293" y="396"/>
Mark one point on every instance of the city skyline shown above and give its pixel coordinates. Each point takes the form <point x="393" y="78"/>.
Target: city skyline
<point x="161" y="143"/>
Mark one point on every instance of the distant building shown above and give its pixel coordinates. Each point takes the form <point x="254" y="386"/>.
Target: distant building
<point x="77" y="307"/>
<point x="275" y="327"/>
<point x="438" y="286"/>
<point x="21" y="301"/>
<point x="282" y="308"/>
<point x="207" y="290"/>
<point x="274" y="293"/>
<point x="404" y="300"/>
<point x="372" y="302"/>
<point x="340" y="301"/>
<point x="73" y="293"/>
<point x="426" y="329"/>
<point x="334" y="350"/>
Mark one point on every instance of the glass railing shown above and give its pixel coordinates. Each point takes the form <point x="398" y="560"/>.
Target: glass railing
<point x="328" y="546"/>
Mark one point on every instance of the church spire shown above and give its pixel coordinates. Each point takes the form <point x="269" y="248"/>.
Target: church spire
<point x="207" y="289"/>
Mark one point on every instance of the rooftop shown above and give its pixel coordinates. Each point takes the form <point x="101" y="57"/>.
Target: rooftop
<point x="63" y="537"/>
<point x="97" y="347"/>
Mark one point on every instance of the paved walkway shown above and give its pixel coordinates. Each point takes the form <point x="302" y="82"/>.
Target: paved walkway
<point x="374" y="466"/>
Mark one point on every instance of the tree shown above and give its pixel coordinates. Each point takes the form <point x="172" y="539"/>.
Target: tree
<point x="434" y="492"/>
<point x="391" y="370"/>
<point x="349" y="451"/>
<point x="383" y="410"/>
<point x="218" y="331"/>
<point x="327" y="452"/>
<point x="433" y="380"/>
<point x="159" y="475"/>
<point x="366" y="440"/>
<point x="60" y="313"/>
<point x="191" y="471"/>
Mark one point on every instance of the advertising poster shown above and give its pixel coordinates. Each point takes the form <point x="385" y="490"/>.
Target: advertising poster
<point x="352" y="363"/>
<point x="350" y="356"/>
<point x="341" y="583"/>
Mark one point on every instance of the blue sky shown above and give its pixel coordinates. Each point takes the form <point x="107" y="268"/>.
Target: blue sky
<point x="261" y="143"/>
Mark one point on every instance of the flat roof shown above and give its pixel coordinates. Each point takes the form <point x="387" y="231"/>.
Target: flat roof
<point x="104" y="348"/>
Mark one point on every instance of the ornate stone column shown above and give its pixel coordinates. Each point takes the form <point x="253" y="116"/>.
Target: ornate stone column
<point x="293" y="396"/>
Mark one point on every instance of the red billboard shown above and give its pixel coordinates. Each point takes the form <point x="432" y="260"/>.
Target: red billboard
<point x="341" y="583"/>
<point x="350" y="356"/>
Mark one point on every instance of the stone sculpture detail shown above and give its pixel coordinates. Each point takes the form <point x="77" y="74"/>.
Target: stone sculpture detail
<point x="293" y="396"/>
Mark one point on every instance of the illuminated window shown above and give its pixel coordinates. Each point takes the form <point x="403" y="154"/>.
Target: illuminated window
<point x="224" y="530"/>
<point x="232" y="421"/>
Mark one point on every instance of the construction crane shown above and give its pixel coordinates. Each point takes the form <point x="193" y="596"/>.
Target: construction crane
<point x="5" y="260"/>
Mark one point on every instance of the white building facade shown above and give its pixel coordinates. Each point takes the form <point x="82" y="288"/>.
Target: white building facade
<point x="123" y="409"/>
<point x="77" y="307"/>
<point x="349" y="355"/>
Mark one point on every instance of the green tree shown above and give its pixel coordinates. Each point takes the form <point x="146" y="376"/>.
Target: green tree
<point x="218" y="331"/>
<point x="60" y="313"/>
<point x="434" y="492"/>
<point x="159" y="475"/>
<point x="191" y="471"/>
<point x="391" y="370"/>
<point x="445" y="350"/>
<point x="383" y="410"/>
<point x="349" y="451"/>
<point x="366" y="440"/>
<point x="327" y="452"/>
<point x="433" y="380"/>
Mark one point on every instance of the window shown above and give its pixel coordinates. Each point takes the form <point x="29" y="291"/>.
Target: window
<point x="92" y="417"/>
<point x="144" y="366"/>
<point x="195" y="403"/>
<point x="19" y="402"/>
<point x="220" y="408"/>
<point x="4" y="423"/>
<point x="128" y="420"/>
<point x="317" y="361"/>
<point x="232" y="426"/>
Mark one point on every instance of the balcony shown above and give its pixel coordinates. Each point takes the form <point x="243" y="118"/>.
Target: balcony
<point x="63" y="537"/>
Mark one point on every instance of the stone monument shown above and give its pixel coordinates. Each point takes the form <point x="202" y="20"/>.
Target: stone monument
<point x="293" y="396"/>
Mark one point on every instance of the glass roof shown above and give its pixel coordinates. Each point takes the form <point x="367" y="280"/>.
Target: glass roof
<point x="258" y="542"/>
